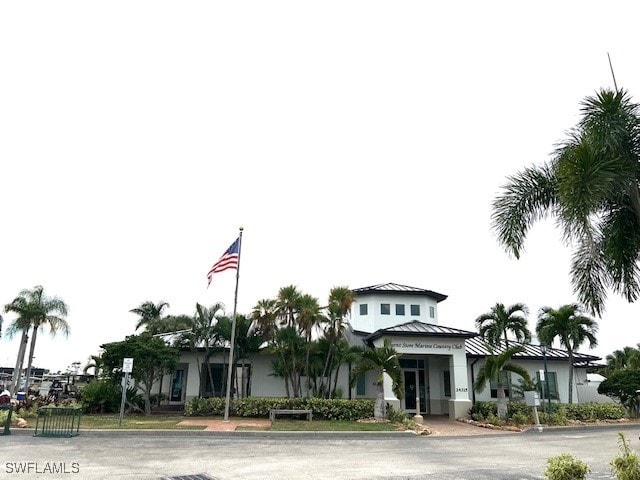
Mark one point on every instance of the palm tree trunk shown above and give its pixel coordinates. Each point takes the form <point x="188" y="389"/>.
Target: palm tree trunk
<point x="32" y="349"/>
<point x="24" y="339"/>
<point x="502" y="403"/>
<point x="570" y="352"/>
<point x="335" y="382"/>
<point x="378" y="409"/>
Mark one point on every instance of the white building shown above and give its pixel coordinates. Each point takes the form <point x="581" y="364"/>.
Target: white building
<point x="439" y="363"/>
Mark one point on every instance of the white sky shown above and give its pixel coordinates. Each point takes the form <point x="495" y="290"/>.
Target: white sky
<point x="357" y="142"/>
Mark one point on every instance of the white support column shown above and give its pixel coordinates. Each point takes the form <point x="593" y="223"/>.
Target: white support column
<point x="460" y="403"/>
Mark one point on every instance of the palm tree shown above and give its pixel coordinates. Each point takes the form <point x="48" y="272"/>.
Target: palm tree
<point x="627" y="358"/>
<point x="591" y="187"/>
<point x="491" y="370"/>
<point x="309" y="317"/>
<point x="150" y="315"/>
<point x="382" y="360"/>
<point x="287" y="305"/>
<point x="494" y="325"/>
<point x="38" y="310"/>
<point x="340" y="301"/>
<point x="570" y="327"/>
<point x="265" y="315"/>
<point x="21" y="324"/>
<point x="248" y="341"/>
<point x="96" y="363"/>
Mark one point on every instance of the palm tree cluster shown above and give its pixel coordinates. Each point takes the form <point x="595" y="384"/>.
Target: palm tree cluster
<point x="592" y="188"/>
<point x="566" y="325"/>
<point x="35" y="311"/>
<point x="307" y="338"/>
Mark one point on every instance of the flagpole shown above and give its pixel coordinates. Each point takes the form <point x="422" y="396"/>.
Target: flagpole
<point x="233" y="334"/>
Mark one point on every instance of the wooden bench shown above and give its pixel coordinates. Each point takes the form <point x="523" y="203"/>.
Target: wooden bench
<point x="283" y="411"/>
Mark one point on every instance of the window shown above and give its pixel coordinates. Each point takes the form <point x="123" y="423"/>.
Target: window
<point x="446" y="374"/>
<point x="504" y="379"/>
<point x="361" y="387"/>
<point x="399" y="309"/>
<point x="415" y="310"/>
<point x="385" y="309"/>
<point x="364" y="309"/>
<point x="553" y="386"/>
<point x="432" y="312"/>
<point x="217" y="372"/>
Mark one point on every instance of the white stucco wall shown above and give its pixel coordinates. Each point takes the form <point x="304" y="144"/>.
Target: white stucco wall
<point x="561" y="368"/>
<point x="374" y="320"/>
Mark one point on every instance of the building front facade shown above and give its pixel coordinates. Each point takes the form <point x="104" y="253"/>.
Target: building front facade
<point x="439" y="364"/>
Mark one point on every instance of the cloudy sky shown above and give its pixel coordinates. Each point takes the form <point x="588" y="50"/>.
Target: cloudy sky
<point x="357" y="142"/>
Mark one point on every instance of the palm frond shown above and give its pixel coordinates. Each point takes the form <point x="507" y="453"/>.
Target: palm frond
<point x="527" y="197"/>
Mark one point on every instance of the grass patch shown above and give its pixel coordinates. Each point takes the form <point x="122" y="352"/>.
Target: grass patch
<point x="330" y="426"/>
<point x="129" y="422"/>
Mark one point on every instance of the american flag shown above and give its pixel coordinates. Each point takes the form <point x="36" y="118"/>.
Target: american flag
<point x="229" y="259"/>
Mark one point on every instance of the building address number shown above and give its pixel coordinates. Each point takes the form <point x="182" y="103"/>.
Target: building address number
<point x="462" y="389"/>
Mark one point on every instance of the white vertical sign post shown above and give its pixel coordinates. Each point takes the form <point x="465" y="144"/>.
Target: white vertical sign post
<point x="127" y="368"/>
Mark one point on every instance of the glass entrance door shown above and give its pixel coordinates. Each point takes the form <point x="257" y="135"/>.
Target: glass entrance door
<point x="414" y="391"/>
<point x="177" y="384"/>
<point x="410" y="389"/>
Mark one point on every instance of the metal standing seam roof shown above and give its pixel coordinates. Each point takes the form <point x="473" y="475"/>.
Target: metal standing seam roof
<point x="476" y="348"/>
<point x="418" y="328"/>
<point x="400" y="289"/>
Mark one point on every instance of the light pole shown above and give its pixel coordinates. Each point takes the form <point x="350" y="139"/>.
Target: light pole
<point x="543" y="349"/>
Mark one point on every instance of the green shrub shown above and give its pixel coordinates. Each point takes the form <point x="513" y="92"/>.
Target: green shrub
<point x="594" y="411"/>
<point x="484" y="409"/>
<point x="394" y="415"/>
<point x="566" y="467"/>
<point x="101" y="396"/>
<point x="204" y="407"/>
<point x="323" y="409"/>
<point x="626" y="466"/>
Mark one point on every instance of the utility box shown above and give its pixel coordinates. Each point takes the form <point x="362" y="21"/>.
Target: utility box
<point x="532" y="399"/>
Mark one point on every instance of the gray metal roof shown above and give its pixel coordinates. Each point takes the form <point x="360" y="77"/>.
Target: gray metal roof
<point x="400" y="289"/>
<point x="476" y="348"/>
<point x="417" y="328"/>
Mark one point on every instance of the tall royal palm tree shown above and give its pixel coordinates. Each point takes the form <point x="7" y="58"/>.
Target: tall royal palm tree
<point x="496" y="324"/>
<point x="591" y="186"/>
<point x="570" y="327"/>
<point x="382" y="360"/>
<point x="38" y="311"/>
<point x="491" y="370"/>
<point x="150" y="315"/>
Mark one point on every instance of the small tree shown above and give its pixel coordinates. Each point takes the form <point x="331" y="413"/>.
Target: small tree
<point x="491" y="370"/>
<point x="623" y="386"/>
<point x="381" y="360"/>
<point x="152" y="359"/>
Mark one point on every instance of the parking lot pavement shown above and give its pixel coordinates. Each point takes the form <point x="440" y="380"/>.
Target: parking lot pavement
<point x="265" y="455"/>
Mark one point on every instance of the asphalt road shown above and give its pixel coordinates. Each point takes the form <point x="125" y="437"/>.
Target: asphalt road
<point x="334" y="456"/>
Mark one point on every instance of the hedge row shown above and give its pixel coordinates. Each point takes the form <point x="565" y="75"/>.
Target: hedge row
<point x="323" y="409"/>
<point x="560" y="413"/>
